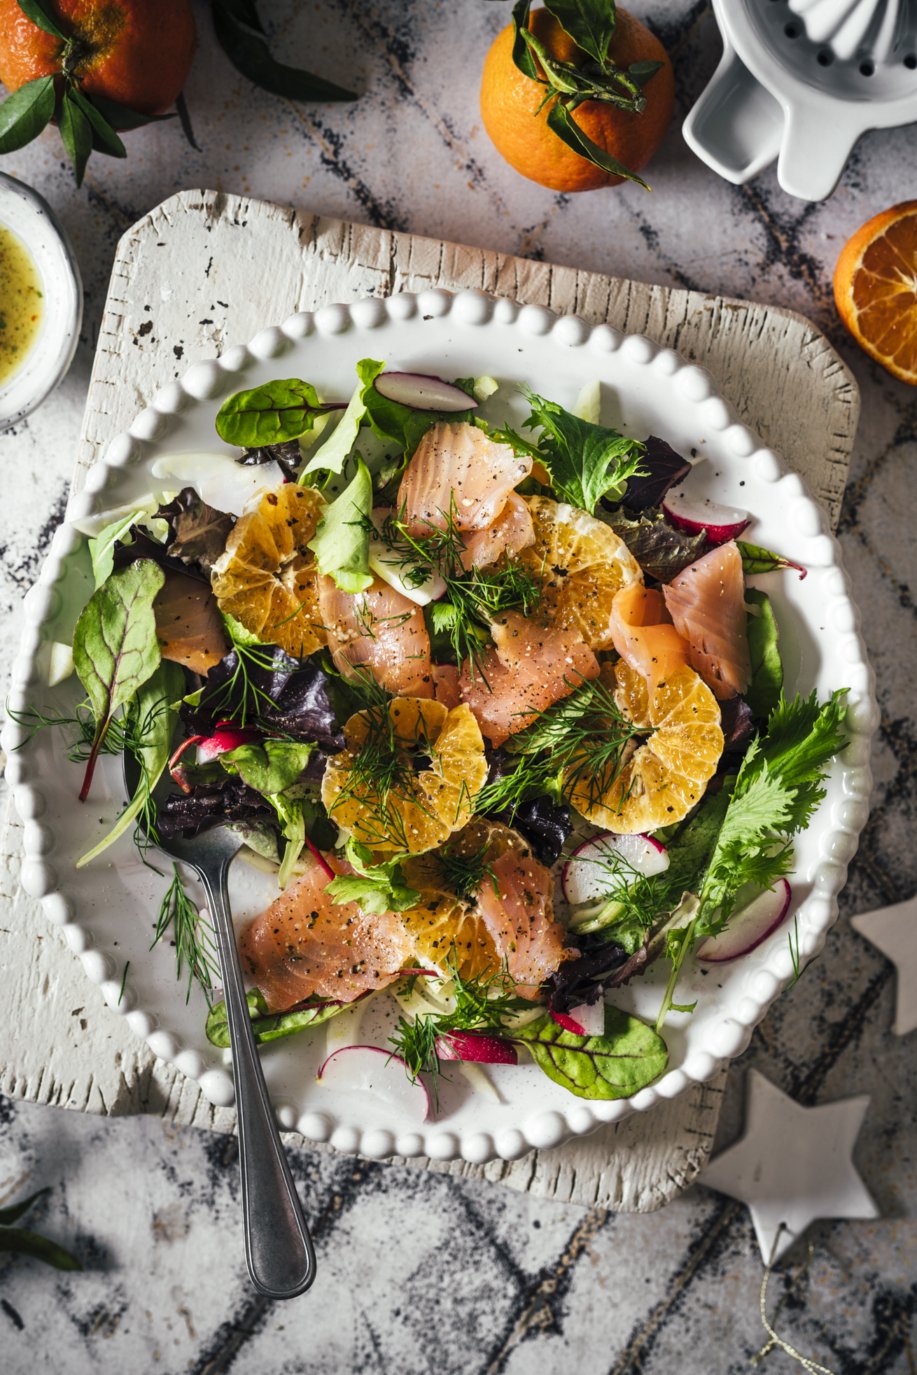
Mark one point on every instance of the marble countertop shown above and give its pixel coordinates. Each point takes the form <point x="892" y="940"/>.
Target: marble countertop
<point x="420" y="1273"/>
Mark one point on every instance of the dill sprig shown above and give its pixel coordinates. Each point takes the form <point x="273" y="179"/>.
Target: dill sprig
<point x="381" y="778"/>
<point x="191" y="934"/>
<point x="635" y="904"/>
<point x="464" y="872"/>
<point x="123" y="733"/>
<point x="474" y="597"/>
<point x="481" y="1004"/>
<point x="582" y="739"/>
<point x="241" y="694"/>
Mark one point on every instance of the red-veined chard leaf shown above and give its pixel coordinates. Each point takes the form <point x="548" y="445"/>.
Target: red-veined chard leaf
<point x="626" y="1058"/>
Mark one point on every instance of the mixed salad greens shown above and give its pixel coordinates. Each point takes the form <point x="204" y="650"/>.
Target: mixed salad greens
<point x="261" y="617"/>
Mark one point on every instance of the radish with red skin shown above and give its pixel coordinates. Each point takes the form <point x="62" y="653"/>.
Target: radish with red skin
<point x="369" y="1069"/>
<point x="422" y="391"/>
<point x="226" y="736"/>
<point x="695" y="514"/>
<point x="590" y="874"/>
<point x="591" y="1017"/>
<point x="749" y="927"/>
<point x="475" y="1047"/>
<point x="567" y="1022"/>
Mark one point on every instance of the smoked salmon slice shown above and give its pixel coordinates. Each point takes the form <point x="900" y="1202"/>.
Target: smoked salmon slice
<point x="511" y="532"/>
<point x="528" y="668"/>
<point x="379" y="630"/>
<point x="306" y="946"/>
<point x="707" y="603"/>
<point x="644" y="636"/>
<point x="458" y="471"/>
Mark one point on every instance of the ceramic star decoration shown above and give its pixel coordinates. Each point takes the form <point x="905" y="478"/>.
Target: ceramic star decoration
<point x="893" y="930"/>
<point x="793" y="1165"/>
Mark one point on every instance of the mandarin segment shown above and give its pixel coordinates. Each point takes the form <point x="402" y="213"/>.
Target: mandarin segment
<point x="875" y="287"/>
<point x="447" y="931"/>
<point x="580" y="565"/>
<point x="408" y="776"/>
<point x="266" y="578"/>
<point x="665" y="776"/>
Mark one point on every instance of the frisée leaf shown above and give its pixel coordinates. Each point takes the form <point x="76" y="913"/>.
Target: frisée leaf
<point x="585" y="461"/>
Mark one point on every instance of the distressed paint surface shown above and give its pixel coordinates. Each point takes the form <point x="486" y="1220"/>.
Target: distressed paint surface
<point x="421" y="1273"/>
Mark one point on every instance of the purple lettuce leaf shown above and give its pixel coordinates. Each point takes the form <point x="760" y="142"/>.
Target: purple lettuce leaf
<point x="661" y="468"/>
<point x="661" y="550"/>
<point x="294" y="698"/>
<point x="288" y="455"/>
<point x="198" y="532"/>
<point x="183" y="815"/>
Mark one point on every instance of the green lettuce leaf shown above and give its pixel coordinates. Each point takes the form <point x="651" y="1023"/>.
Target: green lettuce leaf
<point x="626" y="1058"/>
<point x="268" y="766"/>
<point x="376" y="888"/>
<point x="341" y="542"/>
<point x="393" y="422"/>
<point x="333" y="452"/>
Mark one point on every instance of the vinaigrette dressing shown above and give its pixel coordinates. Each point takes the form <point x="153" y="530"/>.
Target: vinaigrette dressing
<point x="21" y="302"/>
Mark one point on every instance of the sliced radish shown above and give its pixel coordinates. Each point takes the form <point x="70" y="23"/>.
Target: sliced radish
<point x="696" y="514"/>
<point x="749" y="927"/>
<point x="607" y="862"/>
<point x="568" y="1022"/>
<point x="591" y="1017"/>
<point x="423" y="392"/>
<point x="476" y="1047"/>
<point x="368" y="1069"/>
<point x="225" y="737"/>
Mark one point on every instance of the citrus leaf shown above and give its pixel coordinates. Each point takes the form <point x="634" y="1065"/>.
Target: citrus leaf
<point x="76" y="134"/>
<point x="104" y="138"/>
<point x="243" y="10"/>
<point x="122" y="117"/>
<point x="628" y="1056"/>
<point x="590" y="23"/>
<point x="522" y="54"/>
<point x="34" y="10"/>
<point x="562" y="123"/>
<point x="14" y="1211"/>
<point x="25" y="113"/>
<point x="18" y="1241"/>
<point x="249" y="54"/>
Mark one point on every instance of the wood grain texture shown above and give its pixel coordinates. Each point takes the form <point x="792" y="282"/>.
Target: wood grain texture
<point x="204" y="270"/>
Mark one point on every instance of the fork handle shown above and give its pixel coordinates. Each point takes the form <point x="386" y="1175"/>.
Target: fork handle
<point x="278" y="1247"/>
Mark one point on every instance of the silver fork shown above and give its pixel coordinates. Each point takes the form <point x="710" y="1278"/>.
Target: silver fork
<point x="278" y="1248"/>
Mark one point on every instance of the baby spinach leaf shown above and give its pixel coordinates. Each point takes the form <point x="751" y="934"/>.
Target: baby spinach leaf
<point x="586" y="462"/>
<point x="268" y="766"/>
<point x="115" y="649"/>
<point x="269" y="1026"/>
<point x="627" y="1057"/>
<point x="333" y="452"/>
<point x="155" y="710"/>
<point x="341" y="542"/>
<point x="377" y="888"/>
<point x="763" y="646"/>
<point x="756" y="559"/>
<point x="276" y="411"/>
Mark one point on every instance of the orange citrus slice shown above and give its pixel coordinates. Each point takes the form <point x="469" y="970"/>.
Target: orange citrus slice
<point x="665" y="775"/>
<point x="446" y="931"/>
<point x="580" y="565"/>
<point x="875" y="287"/>
<point x="408" y="776"/>
<point x="266" y="576"/>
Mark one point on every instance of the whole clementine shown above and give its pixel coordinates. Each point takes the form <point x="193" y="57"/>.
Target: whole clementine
<point x="134" y="52"/>
<point x="510" y="100"/>
<point x="875" y="287"/>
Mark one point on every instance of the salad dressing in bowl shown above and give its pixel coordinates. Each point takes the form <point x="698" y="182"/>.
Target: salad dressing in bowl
<point x="21" y="302"/>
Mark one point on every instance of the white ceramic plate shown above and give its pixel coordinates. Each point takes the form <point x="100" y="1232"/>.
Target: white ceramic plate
<point x="107" y="909"/>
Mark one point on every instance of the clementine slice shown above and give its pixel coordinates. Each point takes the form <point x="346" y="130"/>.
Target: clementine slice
<point x="875" y="287"/>
<point x="266" y="578"/>
<point x="580" y="564"/>
<point x="408" y="776"/>
<point x="665" y="774"/>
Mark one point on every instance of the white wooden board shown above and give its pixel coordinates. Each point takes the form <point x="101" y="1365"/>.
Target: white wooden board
<point x="204" y="270"/>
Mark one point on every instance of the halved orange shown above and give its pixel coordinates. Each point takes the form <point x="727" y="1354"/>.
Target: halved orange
<point x="875" y="287"/>
<point x="408" y="776"/>
<point x="266" y="578"/>
<point x="580" y="564"/>
<point x="666" y="774"/>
